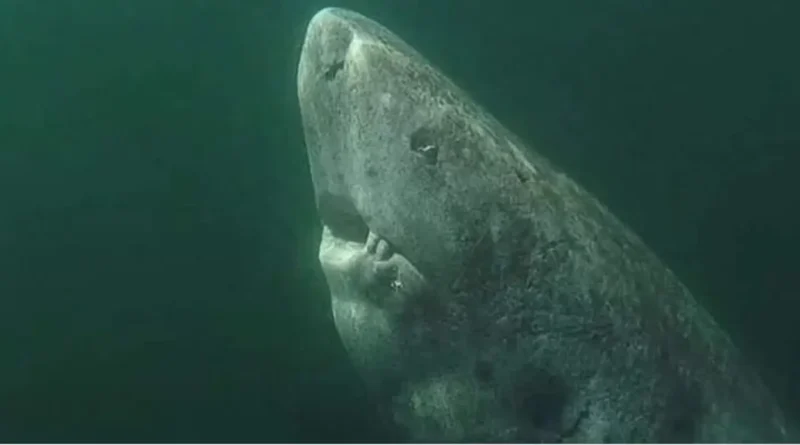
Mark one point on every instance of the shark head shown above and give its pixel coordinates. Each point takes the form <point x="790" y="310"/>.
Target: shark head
<point x="409" y="176"/>
<point x="381" y="140"/>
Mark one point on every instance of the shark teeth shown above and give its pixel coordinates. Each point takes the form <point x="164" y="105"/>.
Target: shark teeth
<point x="378" y="247"/>
<point x="395" y="280"/>
<point x="383" y="271"/>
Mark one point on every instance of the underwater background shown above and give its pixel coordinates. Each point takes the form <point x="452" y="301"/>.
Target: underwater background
<point x="158" y="237"/>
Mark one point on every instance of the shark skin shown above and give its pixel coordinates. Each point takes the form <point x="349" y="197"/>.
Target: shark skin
<point x="481" y="293"/>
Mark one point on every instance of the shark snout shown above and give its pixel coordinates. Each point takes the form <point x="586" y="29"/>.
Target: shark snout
<point x="327" y="40"/>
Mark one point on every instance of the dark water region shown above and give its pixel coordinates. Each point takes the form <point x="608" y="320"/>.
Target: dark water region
<point x="158" y="274"/>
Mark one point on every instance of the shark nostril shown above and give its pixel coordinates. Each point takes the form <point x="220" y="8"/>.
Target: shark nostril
<point x="330" y="31"/>
<point x="333" y="69"/>
<point x="342" y="218"/>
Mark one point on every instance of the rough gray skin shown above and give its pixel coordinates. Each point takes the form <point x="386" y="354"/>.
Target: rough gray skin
<point x="484" y="295"/>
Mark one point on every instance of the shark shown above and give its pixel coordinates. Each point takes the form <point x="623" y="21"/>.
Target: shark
<point x="481" y="293"/>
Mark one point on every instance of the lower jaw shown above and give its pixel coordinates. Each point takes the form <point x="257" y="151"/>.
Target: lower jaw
<point x="368" y="338"/>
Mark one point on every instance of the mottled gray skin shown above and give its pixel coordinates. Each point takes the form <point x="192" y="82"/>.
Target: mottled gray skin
<point x="484" y="295"/>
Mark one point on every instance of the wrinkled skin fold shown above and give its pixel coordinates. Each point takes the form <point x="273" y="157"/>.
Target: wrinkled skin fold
<point x="482" y="294"/>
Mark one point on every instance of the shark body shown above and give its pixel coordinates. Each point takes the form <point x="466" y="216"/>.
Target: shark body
<point x="482" y="294"/>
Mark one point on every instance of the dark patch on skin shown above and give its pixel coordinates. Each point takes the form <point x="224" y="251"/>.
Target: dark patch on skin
<point x="683" y="413"/>
<point x="521" y="176"/>
<point x="541" y="400"/>
<point x="424" y="142"/>
<point x="516" y="257"/>
<point x="484" y="371"/>
<point x="372" y="172"/>
<point x="510" y="342"/>
<point x="572" y="430"/>
<point x="333" y="70"/>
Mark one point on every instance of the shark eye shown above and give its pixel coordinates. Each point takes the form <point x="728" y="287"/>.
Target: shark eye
<point x="423" y="142"/>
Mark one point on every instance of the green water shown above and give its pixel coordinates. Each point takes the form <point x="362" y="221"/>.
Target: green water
<point x="158" y="275"/>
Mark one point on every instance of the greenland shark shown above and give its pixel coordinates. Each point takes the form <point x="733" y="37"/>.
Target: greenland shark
<point x="482" y="294"/>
